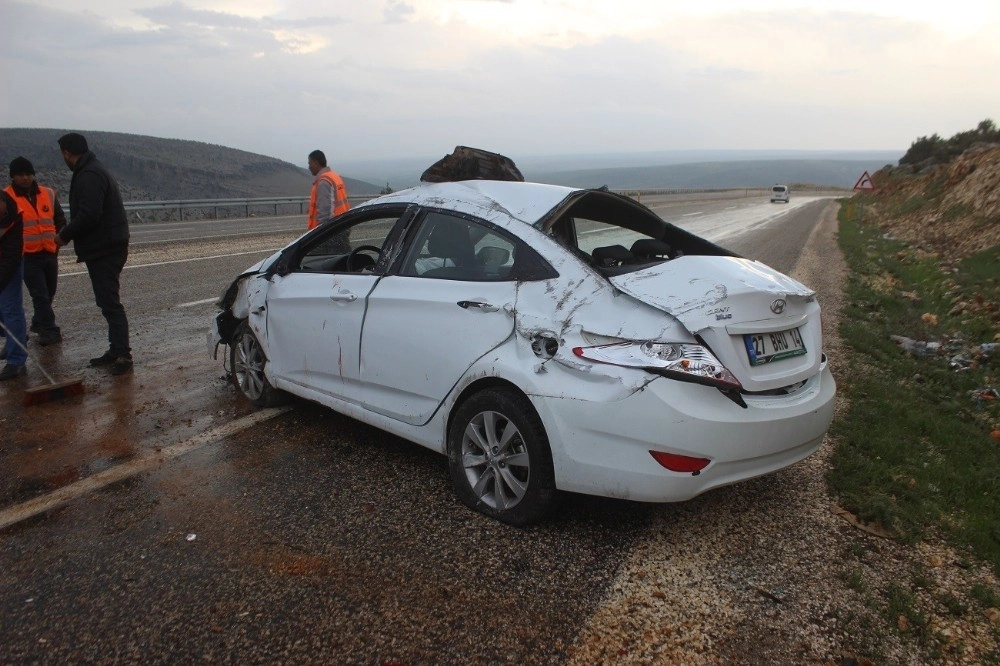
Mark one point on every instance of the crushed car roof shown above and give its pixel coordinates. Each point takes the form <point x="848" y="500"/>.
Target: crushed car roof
<point x="528" y="202"/>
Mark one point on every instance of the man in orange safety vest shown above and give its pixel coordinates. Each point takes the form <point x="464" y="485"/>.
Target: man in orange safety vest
<point x="43" y="218"/>
<point x="328" y="197"/>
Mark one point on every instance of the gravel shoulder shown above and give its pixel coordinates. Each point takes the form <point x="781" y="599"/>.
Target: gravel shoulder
<point x="765" y="572"/>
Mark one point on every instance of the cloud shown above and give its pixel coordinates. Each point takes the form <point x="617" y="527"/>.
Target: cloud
<point x="177" y="14"/>
<point x="407" y="77"/>
<point x="398" y="12"/>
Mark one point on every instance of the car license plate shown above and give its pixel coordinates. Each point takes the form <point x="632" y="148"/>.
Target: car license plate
<point x="769" y="347"/>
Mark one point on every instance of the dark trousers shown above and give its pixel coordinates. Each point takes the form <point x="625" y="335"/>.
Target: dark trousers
<point x="105" y="273"/>
<point x="12" y="316"/>
<point x="41" y="272"/>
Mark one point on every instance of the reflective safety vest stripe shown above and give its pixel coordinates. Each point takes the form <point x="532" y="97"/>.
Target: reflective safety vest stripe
<point x="39" y="226"/>
<point x="340" y="202"/>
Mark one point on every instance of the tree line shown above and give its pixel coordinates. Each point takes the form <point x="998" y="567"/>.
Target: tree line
<point x="937" y="150"/>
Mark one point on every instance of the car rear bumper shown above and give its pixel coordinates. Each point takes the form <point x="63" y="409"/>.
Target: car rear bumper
<point x="604" y="448"/>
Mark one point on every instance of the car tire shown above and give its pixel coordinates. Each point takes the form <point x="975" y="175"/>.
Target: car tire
<point x="511" y="480"/>
<point x="246" y="363"/>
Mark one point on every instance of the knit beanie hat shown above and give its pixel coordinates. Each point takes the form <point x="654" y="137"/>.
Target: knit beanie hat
<point x="21" y="165"/>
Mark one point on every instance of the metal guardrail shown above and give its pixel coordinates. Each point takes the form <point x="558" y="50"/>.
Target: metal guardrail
<point x="248" y="206"/>
<point x="253" y="207"/>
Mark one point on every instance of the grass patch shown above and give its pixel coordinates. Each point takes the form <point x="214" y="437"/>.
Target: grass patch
<point x="912" y="205"/>
<point x="855" y="580"/>
<point x="955" y="212"/>
<point x="953" y="604"/>
<point x="985" y="595"/>
<point x="902" y="604"/>
<point x="914" y="451"/>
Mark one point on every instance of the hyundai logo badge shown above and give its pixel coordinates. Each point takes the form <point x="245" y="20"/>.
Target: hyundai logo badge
<point x="778" y="306"/>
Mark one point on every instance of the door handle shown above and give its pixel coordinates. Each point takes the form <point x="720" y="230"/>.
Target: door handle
<point x="348" y="298"/>
<point x="479" y="305"/>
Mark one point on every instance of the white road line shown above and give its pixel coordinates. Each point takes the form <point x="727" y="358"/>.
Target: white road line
<point x="693" y="214"/>
<point x="182" y="261"/>
<point x="194" y="303"/>
<point x="258" y="232"/>
<point x="143" y="463"/>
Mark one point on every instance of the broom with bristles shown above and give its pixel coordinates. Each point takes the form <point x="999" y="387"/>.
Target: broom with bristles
<point x="46" y="392"/>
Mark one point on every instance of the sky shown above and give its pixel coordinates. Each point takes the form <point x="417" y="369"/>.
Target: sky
<point x="381" y="79"/>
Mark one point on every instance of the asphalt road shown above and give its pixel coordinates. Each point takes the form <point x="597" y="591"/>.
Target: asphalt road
<point x="145" y="522"/>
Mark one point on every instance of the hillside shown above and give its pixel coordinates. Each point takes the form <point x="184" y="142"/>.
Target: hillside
<point x="151" y="168"/>
<point x="951" y="209"/>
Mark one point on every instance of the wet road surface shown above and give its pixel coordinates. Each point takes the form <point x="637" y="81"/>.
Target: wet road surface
<point x="306" y="538"/>
<point x="311" y="538"/>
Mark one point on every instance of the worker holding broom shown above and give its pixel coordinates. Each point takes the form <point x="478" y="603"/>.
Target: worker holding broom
<point x="43" y="218"/>
<point x="11" y="275"/>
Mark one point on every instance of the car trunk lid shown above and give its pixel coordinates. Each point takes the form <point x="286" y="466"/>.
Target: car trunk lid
<point x="763" y="325"/>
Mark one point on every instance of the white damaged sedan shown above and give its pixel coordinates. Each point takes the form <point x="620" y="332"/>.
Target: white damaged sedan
<point x="544" y="338"/>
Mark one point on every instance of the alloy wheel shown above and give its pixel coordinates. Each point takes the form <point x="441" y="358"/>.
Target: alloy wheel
<point x="495" y="459"/>
<point x="248" y="366"/>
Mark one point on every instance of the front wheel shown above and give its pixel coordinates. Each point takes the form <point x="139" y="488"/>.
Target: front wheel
<point x="247" y="361"/>
<point x="499" y="458"/>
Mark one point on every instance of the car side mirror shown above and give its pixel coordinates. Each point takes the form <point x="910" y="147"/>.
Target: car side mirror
<point x="280" y="267"/>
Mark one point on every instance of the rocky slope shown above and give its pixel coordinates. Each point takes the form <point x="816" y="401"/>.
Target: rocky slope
<point x="951" y="209"/>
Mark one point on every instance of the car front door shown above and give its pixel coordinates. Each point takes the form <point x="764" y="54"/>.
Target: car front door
<point x="316" y="306"/>
<point x="450" y="302"/>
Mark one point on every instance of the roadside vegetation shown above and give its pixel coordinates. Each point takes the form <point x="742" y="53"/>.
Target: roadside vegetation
<point x="915" y="450"/>
<point x="929" y="150"/>
<point x="917" y="453"/>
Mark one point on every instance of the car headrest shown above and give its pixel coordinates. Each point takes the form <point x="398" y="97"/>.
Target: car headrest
<point x="611" y="255"/>
<point x="650" y="247"/>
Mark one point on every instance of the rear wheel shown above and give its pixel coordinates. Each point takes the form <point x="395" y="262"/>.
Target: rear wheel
<point x="499" y="458"/>
<point x="247" y="361"/>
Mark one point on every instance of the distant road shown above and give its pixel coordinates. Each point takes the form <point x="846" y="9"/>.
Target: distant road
<point x="672" y="207"/>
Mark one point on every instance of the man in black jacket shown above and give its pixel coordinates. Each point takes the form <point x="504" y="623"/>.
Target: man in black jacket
<point x="11" y="304"/>
<point x="98" y="229"/>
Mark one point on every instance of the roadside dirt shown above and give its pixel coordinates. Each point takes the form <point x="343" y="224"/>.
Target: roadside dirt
<point x="778" y="576"/>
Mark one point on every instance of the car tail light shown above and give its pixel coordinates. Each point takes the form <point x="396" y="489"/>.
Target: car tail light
<point x="678" y="463"/>
<point x="682" y="361"/>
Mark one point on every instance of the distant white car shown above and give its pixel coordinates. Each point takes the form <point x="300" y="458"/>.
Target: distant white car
<point x="779" y="193"/>
<point x="543" y="338"/>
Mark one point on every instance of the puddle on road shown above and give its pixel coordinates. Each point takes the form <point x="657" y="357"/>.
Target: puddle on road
<point x="48" y="446"/>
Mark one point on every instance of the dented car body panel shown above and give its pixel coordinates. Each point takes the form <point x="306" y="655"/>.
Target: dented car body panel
<point x="628" y="337"/>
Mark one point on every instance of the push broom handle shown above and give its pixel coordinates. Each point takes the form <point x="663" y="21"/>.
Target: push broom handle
<point x="25" y="350"/>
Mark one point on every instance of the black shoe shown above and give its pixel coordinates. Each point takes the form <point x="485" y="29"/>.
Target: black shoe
<point x="121" y="365"/>
<point x="3" y="350"/>
<point x="47" y="338"/>
<point x="107" y="358"/>
<point x="12" y="371"/>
